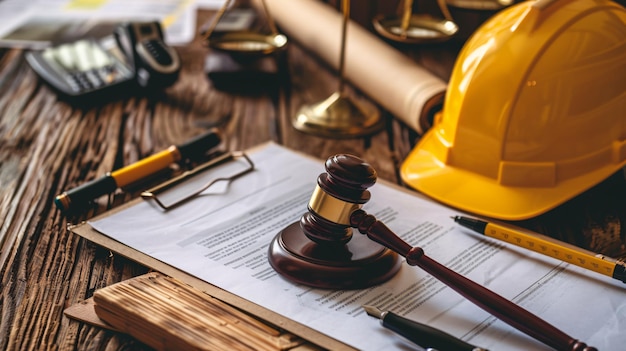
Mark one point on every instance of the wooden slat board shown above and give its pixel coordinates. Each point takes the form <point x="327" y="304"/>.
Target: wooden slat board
<point x="167" y="314"/>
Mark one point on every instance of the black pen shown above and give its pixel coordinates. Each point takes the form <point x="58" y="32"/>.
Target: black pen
<point x="423" y="335"/>
<point x="191" y="150"/>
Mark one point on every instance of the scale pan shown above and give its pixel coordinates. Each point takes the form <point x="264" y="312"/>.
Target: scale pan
<point x="246" y="43"/>
<point x="421" y="29"/>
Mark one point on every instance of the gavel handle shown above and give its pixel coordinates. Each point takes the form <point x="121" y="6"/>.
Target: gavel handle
<point x="486" y="299"/>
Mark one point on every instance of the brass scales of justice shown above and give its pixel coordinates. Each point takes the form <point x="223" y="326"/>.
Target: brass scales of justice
<point x="245" y="44"/>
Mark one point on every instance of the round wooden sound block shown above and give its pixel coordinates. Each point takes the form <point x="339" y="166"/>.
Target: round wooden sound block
<point x="360" y="263"/>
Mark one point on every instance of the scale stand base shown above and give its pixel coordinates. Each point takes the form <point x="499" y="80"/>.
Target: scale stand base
<point x="338" y="117"/>
<point x="359" y="264"/>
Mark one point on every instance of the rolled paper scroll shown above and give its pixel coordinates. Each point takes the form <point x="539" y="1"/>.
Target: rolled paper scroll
<point x="390" y="78"/>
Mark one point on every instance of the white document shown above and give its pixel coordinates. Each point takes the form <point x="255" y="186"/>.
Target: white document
<point x="37" y="24"/>
<point x="222" y="237"/>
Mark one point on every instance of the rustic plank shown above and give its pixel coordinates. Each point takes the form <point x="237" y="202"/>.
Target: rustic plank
<point x="180" y="317"/>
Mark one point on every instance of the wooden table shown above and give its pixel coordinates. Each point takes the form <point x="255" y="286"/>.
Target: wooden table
<point x="48" y="146"/>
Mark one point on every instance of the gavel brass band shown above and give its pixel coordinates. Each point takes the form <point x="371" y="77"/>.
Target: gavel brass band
<point x="331" y="208"/>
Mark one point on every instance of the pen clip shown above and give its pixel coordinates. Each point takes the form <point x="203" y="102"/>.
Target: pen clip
<point x="213" y="165"/>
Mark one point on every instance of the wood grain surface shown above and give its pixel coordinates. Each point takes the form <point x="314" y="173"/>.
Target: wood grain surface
<point x="48" y="146"/>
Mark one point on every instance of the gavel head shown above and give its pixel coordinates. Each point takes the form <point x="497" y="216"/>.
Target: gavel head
<point x="319" y="250"/>
<point x="339" y="192"/>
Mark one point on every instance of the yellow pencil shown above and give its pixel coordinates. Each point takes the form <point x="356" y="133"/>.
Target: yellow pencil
<point x="549" y="247"/>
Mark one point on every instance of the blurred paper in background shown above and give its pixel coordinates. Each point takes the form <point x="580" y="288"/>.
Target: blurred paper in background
<point x="41" y="23"/>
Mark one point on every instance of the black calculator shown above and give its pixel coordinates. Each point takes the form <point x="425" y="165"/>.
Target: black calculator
<point x="84" y="68"/>
<point x="135" y="55"/>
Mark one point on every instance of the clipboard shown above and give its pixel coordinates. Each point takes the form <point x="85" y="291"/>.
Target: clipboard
<point x="317" y="338"/>
<point x="283" y="186"/>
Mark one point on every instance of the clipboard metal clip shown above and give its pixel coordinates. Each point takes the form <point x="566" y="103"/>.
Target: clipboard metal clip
<point x="218" y="170"/>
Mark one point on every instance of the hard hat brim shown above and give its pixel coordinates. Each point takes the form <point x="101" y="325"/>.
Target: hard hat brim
<point x="484" y="196"/>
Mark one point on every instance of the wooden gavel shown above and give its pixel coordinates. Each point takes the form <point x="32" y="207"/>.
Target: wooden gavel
<point x="335" y="208"/>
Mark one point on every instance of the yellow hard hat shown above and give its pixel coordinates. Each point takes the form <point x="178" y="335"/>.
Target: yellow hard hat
<point x="535" y="111"/>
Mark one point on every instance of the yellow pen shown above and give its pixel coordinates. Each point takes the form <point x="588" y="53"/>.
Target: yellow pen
<point x="549" y="247"/>
<point x="191" y="150"/>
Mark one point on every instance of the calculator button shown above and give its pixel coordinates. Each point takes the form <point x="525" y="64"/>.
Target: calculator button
<point x="81" y="80"/>
<point x="94" y="78"/>
<point x="71" y="81"/>
<point x="157" y="50"/>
